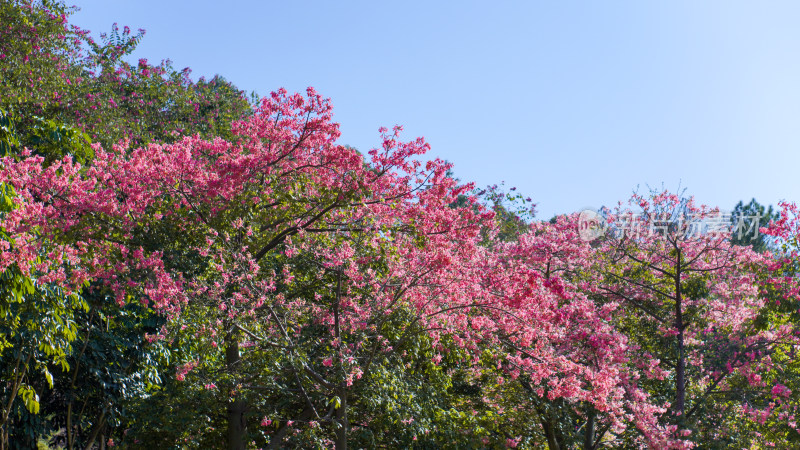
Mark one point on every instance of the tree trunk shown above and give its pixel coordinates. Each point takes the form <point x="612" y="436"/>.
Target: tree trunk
<point x="237" y="428"/>
<point x="341" y="420"/>
<point x="6" y="413"/>
<point x="590" y="430"/>
<point x="69" y="430"/>
<point x="550" y="435"/>
<point x="101" y="423"/>
<point x="680" y="379"/>
<point x="549" y="428"/>
<point x="276" y="440"/>
<point x="341" y="411"/>
<point x="680" y="372"/>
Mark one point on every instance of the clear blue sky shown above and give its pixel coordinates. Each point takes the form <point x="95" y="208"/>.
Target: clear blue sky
<point x="575" y="103"/>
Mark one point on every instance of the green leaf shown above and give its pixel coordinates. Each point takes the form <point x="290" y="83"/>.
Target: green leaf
<point x="49" y="377"/>
<point x="30" y="398"/>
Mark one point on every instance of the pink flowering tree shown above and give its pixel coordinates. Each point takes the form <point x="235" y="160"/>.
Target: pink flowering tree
<point x="696" y="310"/>
<point x="382" y="231"/>
<point x="777" y="420"/>
<point x="560" y="346"/>
<point x="307" y="290"/>
<point x="60" y="90"/>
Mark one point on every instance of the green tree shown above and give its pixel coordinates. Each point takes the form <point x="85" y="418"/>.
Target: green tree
<point x="59" y="91"/>
<point x="746" y="219"/>
<point x="37" y="322"/>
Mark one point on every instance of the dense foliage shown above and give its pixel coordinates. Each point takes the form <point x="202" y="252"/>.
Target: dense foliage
<point x="182" y="268"/>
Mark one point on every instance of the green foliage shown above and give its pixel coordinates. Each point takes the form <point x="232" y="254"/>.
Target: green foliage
<point x="47" y="138"/>
<point x="55" y="97"/>
<point x="54" y="78"/>
<point x="37" y="322"/>
<point x="745" y="221"/>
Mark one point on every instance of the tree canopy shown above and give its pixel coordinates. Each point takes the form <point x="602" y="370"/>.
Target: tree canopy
<point x="185" y="267"/>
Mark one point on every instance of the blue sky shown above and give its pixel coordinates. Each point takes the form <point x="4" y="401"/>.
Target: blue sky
<point x="574" y="103"/>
